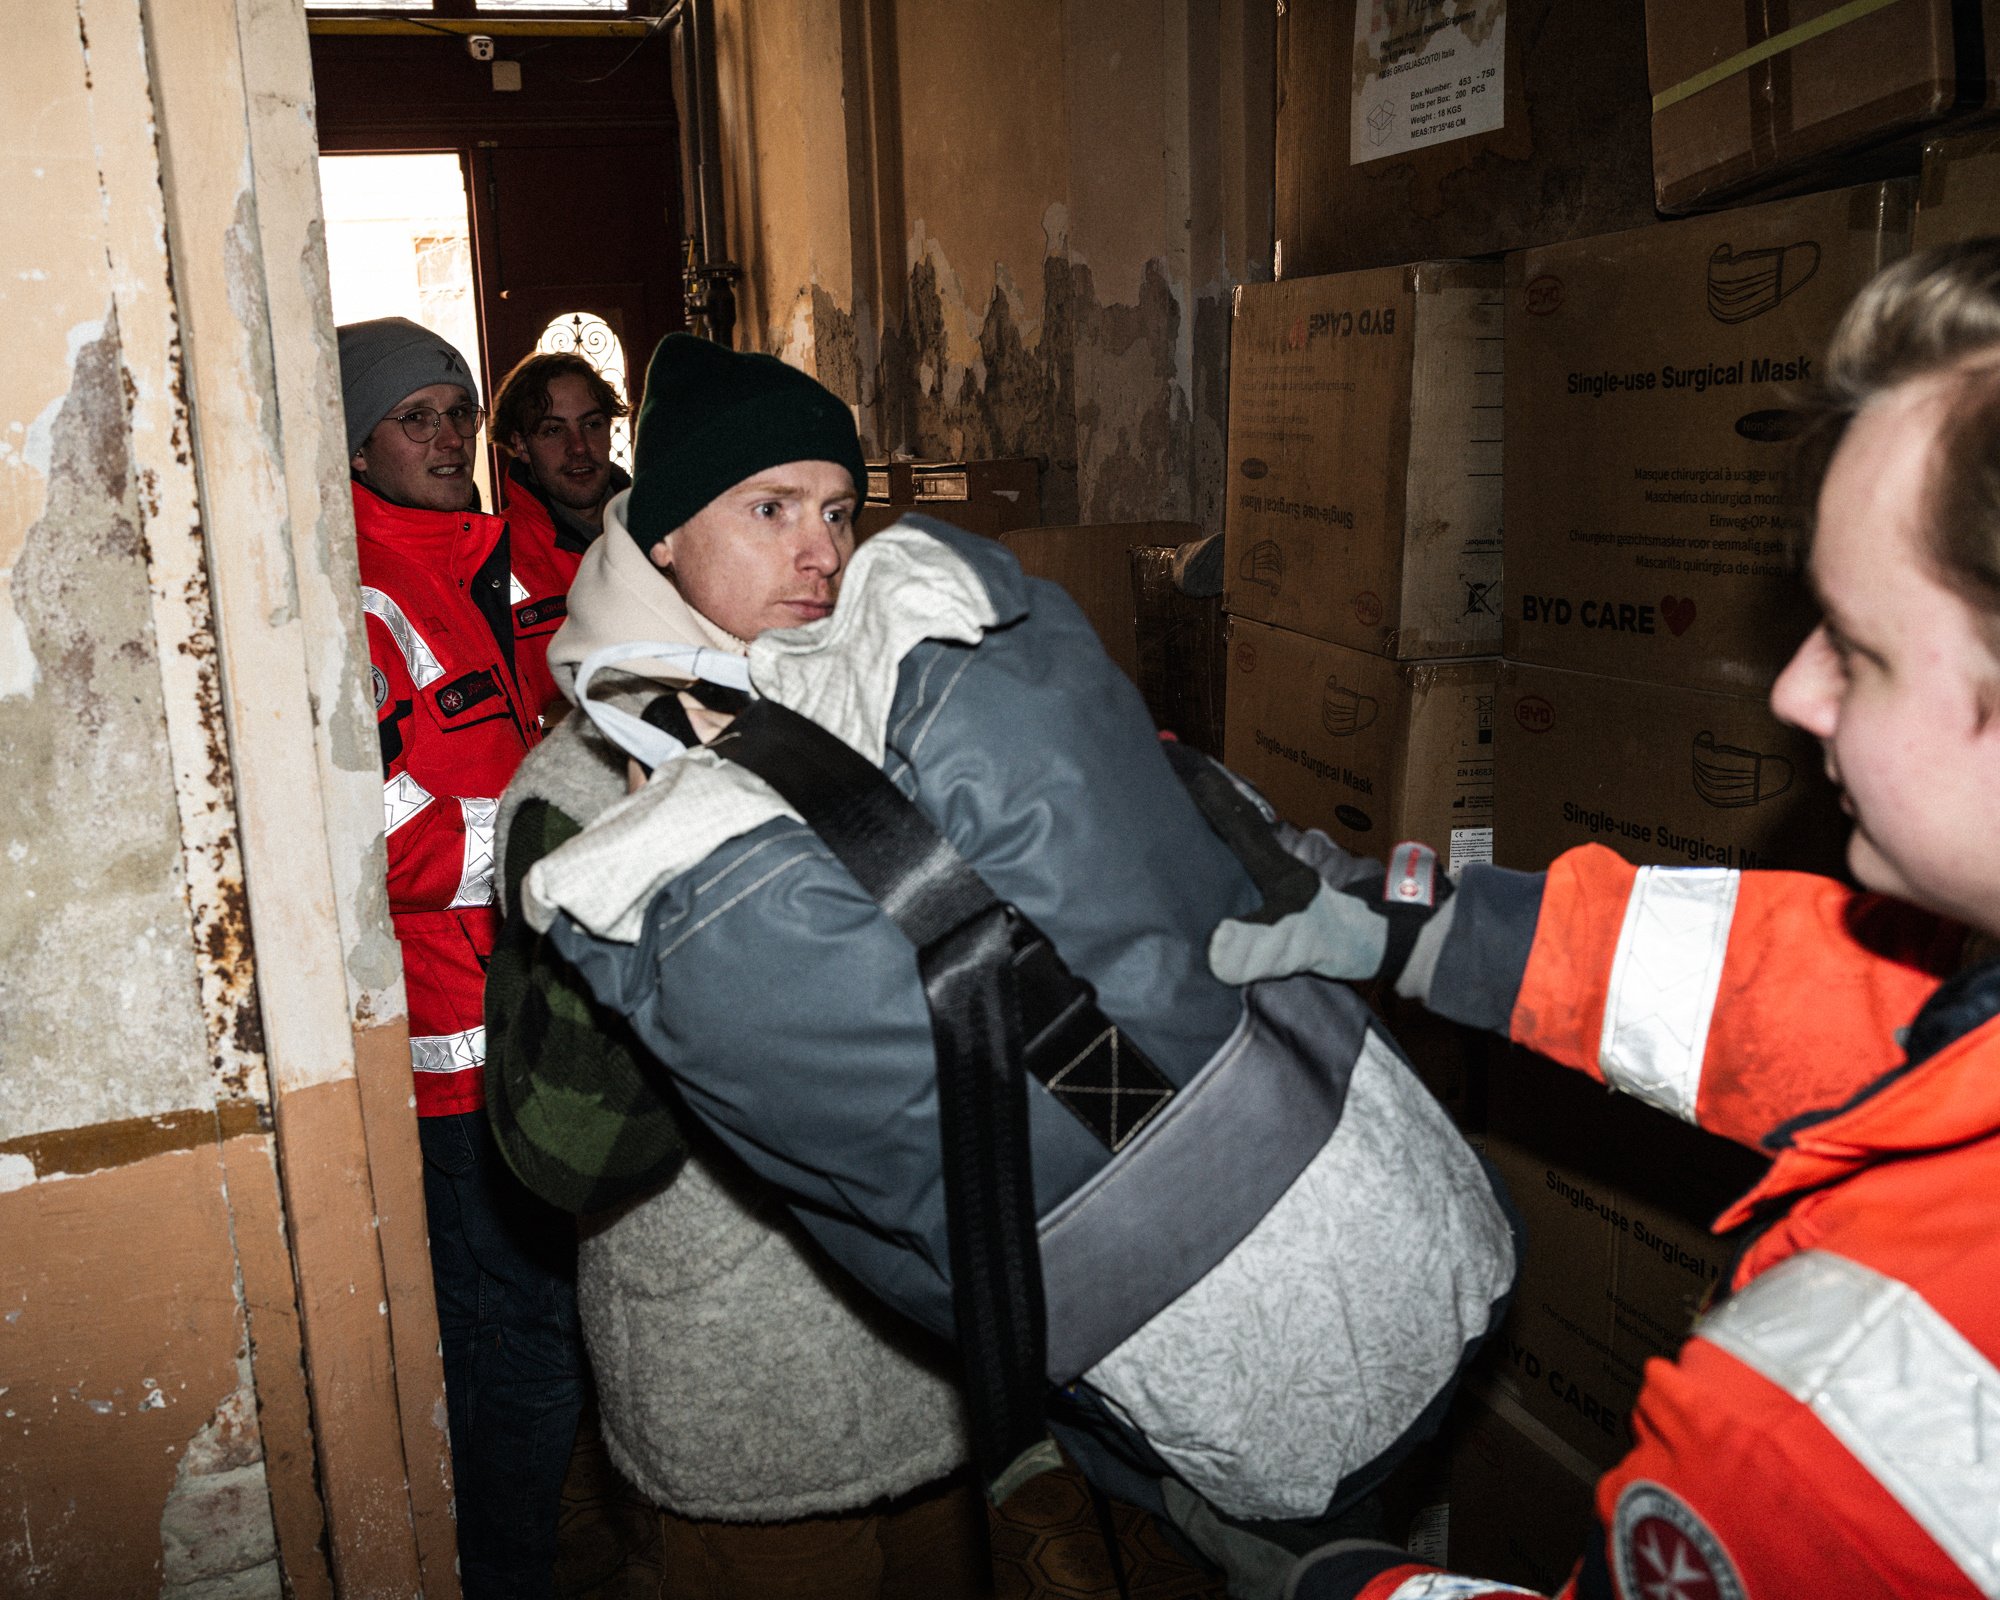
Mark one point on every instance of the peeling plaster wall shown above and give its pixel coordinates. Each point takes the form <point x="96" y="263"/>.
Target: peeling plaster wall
<point x="100" y="1010"/>
<point x="1046" y="204"/>
<point x="97" y="981"/>
<point x="130" y="1039"/>
<point x="188" y="749"/>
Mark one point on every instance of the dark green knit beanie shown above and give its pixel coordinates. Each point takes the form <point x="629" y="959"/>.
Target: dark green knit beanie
<point x="713" y="417"/>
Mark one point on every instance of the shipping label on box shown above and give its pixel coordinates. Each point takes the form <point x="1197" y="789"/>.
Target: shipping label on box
<point x="1370" y="751"/>
<point x="1652" y="385"/>
<point x="1363" y="501"/>
<point x="1425" y="75"/>
<point x="1383" y="158"/>
<point x="1664" y="776"/>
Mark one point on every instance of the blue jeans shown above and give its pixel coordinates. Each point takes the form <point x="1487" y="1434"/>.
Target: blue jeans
<point x="504" y="1266"/>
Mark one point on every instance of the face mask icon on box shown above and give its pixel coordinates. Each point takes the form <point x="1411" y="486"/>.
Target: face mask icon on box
<point x="1729" y="776"/>
<point x="1343" y="712"/>
<point x="1748" y="284"/>
<point x="1263" y="564"/>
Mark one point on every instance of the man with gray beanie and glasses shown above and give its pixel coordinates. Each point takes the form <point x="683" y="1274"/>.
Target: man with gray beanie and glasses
<point x="454" y="723"/>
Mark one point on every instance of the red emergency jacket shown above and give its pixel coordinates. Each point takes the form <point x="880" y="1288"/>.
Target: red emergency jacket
<point x="545" y="552"/>
<point x="454" y="725"/>
<point x="1832" y="1426"/>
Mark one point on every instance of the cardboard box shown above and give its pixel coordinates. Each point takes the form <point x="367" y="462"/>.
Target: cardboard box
<point x="987" y="497"/>
<point x="1094" y="563"/>
<point x="1012" y="487"/>
<point x="1364" y="457"/>
<point x="889" y="483"/>
<point x="1959" y="197"/>
<point x="1666" y="777"/>
<point x="1616" y="1200"/>
<point x="989" y="521"/>
<point x="1180" y="649"/>
<point x="1749" y="97"/>
<point x="1371" y="751"/>
<point x="1519" y="1504"/>
<point x="1650" y="383"/>
<point x="1571" y="154"/>
<point x="1449" y="1060"/>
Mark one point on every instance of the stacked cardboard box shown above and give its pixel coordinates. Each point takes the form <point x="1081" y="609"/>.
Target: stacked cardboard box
<point x="1653" y="385"/>
<point x="1169" y="643"/>
<point x="1408" y="132"/>
<point x="1959" y="197"/>
<point x="1506" y="1497"/>
<point x="1764" y="97"/>
<point x="1616" y="1202"/>
<point x="1652" y="550"/>
<point x="988" y="497"/>
<point x="1362" y="551"/>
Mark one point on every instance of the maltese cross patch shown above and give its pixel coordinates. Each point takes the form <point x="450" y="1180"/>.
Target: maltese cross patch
<point x="1664" y="1551"/>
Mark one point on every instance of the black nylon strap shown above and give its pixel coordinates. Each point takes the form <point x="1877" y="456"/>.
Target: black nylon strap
<point x="966" y="942"/>
<point x="996" y="1264"/>
<point x="1287" y="884"/>
<point x="888" y="844"/>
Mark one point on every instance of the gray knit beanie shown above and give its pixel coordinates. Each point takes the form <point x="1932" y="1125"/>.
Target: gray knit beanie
<point x="713" y="417"/>
<point x="383" y="360"/>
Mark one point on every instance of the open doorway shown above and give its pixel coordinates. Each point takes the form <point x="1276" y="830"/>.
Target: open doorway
<point x="399" y="244"/>
<point x="565" y="187"/>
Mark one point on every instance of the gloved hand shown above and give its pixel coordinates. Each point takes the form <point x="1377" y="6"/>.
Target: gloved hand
<point x="1359" y="923"/>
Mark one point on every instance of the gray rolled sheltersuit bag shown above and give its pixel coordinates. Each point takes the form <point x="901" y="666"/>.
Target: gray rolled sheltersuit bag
<point x="1263" y="1251"/>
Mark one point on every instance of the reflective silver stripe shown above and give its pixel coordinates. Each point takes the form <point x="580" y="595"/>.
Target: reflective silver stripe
<point x="1908" y="1394"/>
<point x="517" y="591"/>
<point x="1449" y="1586"/>
<point x="423" y="666"/>
<point x="1663" y="984"/>
<point x="402" y="798"/>
<point x="448" y="1052"/>
<point x="475" y="881"/>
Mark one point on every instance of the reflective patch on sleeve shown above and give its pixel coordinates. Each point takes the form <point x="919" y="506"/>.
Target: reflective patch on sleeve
<point x="475" y="880"/>
<point x="1912" y="1399"/>
<point x="402" y="798"/>
<point x="1664" y="980"/>
<point x="448" y="1052"/>
<point x="1661" y="1548"/>
<point x="421" y="664"/>
<point x="1450" y="1586"/>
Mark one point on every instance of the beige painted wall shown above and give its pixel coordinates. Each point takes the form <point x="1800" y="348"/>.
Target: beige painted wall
<point x="1009" y="227"/>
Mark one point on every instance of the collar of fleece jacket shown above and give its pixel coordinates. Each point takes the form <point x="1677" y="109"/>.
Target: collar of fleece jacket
<point x="620" y="597"/>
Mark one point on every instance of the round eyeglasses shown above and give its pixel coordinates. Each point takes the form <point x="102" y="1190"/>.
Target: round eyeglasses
<point x="421" y="424"/>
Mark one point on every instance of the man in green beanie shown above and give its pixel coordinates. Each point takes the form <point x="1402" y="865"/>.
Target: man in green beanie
<point x="730" y="448"/>
<point x="802" y="1442"/>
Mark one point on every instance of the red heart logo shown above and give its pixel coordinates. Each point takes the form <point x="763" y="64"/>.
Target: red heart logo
<point x="1677" y="613"/>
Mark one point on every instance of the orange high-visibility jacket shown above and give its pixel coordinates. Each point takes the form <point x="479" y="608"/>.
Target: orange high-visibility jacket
<point x="1832" y="1426"/>
<point x="453" y="727"/>
<point x="545" y="551"/>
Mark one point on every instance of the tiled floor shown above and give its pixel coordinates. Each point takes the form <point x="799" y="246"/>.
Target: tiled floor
<point x="1046" y="1546"/>
<point x="1046" y="1543"/>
